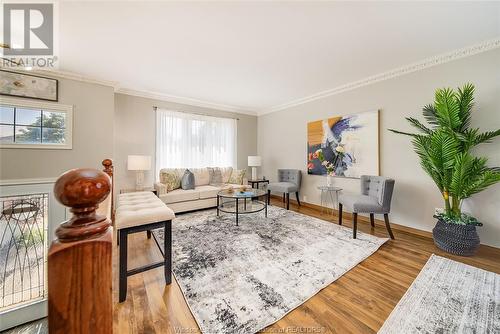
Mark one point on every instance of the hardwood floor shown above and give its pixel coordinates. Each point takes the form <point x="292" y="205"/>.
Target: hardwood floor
<point x="358" y="302"/>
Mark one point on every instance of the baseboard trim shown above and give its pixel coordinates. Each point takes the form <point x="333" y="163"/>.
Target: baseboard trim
<point x="364" y="219"/>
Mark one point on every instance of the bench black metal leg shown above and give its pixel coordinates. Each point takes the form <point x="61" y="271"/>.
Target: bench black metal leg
<point x="123" y="266"/>
<point x="355" y="224"/>
<point x="372" y="219"/>
<point x="387" y="225"/>
<point x="167" y="246"/>
<point x="268" y="197"/>
<point x="340" y="213"/>
<point x="297" y="195"/>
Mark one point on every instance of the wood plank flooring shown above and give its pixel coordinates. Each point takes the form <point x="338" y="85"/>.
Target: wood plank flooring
<point x="358" y="302"/>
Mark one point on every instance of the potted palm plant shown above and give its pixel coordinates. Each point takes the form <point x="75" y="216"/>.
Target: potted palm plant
<point x="444" y="147"/>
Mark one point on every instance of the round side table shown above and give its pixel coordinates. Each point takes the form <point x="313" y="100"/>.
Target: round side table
<point x="329" y="194"/>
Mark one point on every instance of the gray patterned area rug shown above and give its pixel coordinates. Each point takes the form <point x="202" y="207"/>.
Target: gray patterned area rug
<point x="448" y="297"/>
<point x="240" y="279"/>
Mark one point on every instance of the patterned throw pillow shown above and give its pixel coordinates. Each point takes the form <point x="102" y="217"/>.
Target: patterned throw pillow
<point x="215" y="176"/>
<point x="237" y="176"/>
<point x="170" y="180"/>
<point x="187" y="181"/>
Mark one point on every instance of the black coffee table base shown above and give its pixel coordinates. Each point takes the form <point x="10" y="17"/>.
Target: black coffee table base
<point x="222" y="207"/>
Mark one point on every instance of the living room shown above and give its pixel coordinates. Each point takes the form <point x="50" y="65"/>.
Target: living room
<point x="296" y="167"/>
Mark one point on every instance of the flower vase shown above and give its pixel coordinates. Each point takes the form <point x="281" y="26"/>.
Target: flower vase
<point x="329" y="180"/>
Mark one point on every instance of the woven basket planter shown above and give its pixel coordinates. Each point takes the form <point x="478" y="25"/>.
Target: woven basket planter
<point x="456" y="239"/>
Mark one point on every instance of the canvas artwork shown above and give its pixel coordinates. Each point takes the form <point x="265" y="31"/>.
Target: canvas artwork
<point x="344" y="146"/>
<point x="26" y="85"/>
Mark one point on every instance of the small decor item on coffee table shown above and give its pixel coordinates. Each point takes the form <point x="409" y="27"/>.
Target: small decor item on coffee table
<point x="242" y="201"/>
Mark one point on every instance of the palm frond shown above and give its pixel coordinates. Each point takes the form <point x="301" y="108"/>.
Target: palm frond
<point x="447" y="108"/>
<point x="417" y="124"/>
<point x="429" y="112"/>
<point x="466" y="102"/>
<point x="402" y="133"/>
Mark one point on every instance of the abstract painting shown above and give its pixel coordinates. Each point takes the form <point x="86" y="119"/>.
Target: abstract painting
<point x="344" y="146"/>
<point x="27" y="85"/>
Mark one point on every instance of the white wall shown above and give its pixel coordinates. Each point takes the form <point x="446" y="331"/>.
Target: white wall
<point x="135" y="134"/>
<point x="282" y="138"/>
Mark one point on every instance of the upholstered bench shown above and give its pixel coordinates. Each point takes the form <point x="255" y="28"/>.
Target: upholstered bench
<point x="139" y="212"/>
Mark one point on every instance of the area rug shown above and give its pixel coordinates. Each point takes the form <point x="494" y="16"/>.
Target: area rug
<point x="240" y="279"/>
<point x="448" y="297"/>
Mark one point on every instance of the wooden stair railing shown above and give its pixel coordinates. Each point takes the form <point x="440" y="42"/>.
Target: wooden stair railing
<point x="80" y="258"/>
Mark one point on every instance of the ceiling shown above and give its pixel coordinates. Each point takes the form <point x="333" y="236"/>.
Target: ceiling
<point x="257" y="55"/>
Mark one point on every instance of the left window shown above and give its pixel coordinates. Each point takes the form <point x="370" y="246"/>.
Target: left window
<point x="35" y="125"/>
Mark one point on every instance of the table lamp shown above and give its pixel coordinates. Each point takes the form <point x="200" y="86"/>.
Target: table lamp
<point x="139" y="163"/>
<point x="254" y="162"/>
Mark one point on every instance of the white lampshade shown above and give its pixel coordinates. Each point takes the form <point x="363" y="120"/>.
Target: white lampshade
<point x="139" y="162"/>
<point x="254" y="161"/>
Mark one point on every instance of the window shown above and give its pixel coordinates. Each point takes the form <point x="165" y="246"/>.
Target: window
<point x="35" y="125"/>
<point x="188" y="140"/>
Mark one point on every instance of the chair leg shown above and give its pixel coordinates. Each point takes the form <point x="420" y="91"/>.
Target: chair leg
<point x="167" y="246"/>
<point x="268" y="197"/>
<point x="288" y="201"/>
<point x="123" y="266"/>
<point x="340" y="213"/>
<point x="355" y="224"/>
<point x="284" y="197"/>
<point x="372" y="219"/>
<point x="297" y="195"/>
<point x="387" y="225"/>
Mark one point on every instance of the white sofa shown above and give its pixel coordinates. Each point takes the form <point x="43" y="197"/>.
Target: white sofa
<point x="203" y="196"/>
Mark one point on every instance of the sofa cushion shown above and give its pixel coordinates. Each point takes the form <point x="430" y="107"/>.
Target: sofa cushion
<point x="215" y="175"/>
<point x="208" y="191"/>
<point x="170" y="179"/>
<point x="226" y="173"/>
<point x="237" y="176"/>
<point x="180" y="195"/>
<point x="187" y="181"/>
<point x="201" y="176"/>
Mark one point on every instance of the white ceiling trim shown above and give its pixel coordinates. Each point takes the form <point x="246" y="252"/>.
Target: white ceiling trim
<point x="420" y="65"/>
<point x="74" y="76"/>
<point x="185" y="100"/>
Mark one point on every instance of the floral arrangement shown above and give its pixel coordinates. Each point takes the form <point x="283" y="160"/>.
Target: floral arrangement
<point x="329" y="166"/>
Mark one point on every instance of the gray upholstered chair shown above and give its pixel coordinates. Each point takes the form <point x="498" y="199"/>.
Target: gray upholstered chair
<point x="375" y="198"/>
<point x="288" y="182"/>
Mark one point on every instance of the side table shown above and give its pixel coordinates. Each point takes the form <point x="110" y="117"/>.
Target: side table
<point x="257" y="182"/>
<point x="329" y="194"/>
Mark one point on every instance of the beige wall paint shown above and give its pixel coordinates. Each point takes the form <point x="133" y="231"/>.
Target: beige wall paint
<point x="135" y="133"/>
<point x="282" y="138"/>
<point x="92" y="136"/>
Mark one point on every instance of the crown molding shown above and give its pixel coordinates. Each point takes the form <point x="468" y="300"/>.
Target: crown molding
<point x="407" y="69"/>
<point x="73" y="76"/>
<point x="185" y="100"/>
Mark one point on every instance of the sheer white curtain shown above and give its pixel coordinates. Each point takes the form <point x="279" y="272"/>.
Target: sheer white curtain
<point x="189" y="140"/>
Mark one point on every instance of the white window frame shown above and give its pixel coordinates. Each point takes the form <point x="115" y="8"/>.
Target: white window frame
<point x="68" y="133"/>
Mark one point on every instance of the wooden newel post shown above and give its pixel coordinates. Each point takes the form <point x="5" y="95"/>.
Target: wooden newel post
<point x="79" y="260"/>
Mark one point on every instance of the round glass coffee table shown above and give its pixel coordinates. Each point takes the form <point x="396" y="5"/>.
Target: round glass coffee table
<point x="238" y="202"/>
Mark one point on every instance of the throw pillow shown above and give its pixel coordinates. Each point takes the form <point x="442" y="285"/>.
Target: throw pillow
<point x="187" y="181"/>
<point x="215" y="176"/>
<point x="237" y="176"/>
<point x="170" y="180"/>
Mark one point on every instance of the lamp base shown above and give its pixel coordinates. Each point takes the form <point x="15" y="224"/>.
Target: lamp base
<point x="254" y="173"/>
<point x="139" y="180"/>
